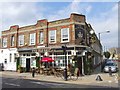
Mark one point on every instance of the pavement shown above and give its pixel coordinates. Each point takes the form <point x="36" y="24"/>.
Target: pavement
<point x="108" y="81"/>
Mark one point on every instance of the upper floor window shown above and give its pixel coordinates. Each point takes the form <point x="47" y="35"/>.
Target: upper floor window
<point x="52" y="36"/>
<point x="4" y="42"/>
<point x="21" y="40"/>
<point x="65" y="35"/>
<point x="41" y="37"/>
<point x="12" y="40"/>
<point x="32" y="38"/>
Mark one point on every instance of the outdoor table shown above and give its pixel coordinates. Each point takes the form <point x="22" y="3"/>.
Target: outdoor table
<point x="46" y="71"/>
<point x="59" y="69"/>
<point x="41" y="70"/>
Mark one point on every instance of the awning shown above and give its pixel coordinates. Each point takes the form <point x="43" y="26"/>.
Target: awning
<point x="47" y="59"/>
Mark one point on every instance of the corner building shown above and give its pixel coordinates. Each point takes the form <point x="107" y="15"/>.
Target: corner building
<point x="30" y="43"/>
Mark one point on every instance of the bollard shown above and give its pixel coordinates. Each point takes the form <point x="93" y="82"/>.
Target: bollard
<point x="65" y="74"/>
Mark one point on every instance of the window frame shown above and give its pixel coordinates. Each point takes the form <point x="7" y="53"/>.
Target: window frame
<point x="4" y="42"/>
<point x="68" y="35"/>
<point x="21" y="40"/>
<point x="12" y="40"/>
<point x="32" y="39"/>
<point x="52" y="35"/>
<point x="41" y="37"/>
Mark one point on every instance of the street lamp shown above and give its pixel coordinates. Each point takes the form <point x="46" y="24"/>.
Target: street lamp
<point x="101" y="33"/>
<point x="92" y="31"/>
<point x="99" y="39"/>
<point x="65" y="70"/>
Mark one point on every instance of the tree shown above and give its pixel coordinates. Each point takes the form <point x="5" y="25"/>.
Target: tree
<point x="107" y="54"/>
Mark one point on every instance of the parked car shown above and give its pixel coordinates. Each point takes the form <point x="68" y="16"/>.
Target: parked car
<point x="109" y="61"/>
<point x="114" y="67"/>
<point x="106" y="61"/>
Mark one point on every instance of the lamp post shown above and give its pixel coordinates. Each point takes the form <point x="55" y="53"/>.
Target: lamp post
<point x="101" y="44"/>
<point x="65" y="70"/>
<point x="101" y="33"/>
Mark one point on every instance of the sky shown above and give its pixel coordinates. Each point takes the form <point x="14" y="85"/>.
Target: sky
<point x="103" y="16"/>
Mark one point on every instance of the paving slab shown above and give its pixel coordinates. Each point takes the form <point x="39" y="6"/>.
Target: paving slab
<point x="86" y="80"/>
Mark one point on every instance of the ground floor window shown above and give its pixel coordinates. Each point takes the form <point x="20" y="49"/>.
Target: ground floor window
<point x="33" y="62"/>
<point x="23" y="61"/>
<point x="59" y="60"/>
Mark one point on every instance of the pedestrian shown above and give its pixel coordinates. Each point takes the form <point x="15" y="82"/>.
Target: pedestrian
<point x="110" y="71"/>
<point x="33" y="72"/>
<point x="2" y="67"/>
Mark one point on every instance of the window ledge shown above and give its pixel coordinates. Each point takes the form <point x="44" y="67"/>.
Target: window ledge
<point x="64" y="41"/>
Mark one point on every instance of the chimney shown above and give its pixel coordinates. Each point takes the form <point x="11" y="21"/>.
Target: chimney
<point x="77" y="17"/>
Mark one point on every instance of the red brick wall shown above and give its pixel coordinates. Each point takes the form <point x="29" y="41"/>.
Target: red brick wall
<point x="45" y="24"/>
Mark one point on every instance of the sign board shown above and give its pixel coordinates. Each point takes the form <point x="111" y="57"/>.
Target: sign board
<point x="83" y="53"/>
<point x="46" y="53"/>
<point x="73" y="52"/>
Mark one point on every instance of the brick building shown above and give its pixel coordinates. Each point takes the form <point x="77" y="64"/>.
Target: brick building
<point x="27" y="45"/>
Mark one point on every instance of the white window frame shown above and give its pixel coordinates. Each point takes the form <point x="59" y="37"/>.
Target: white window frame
<point x="41" y="37"/>
<point x="21" y="40"/>
<point x="52" y="35"/>
<point x="62" y="32"/>
<point x="32" y="39"/>
<point x="4" y="42"/>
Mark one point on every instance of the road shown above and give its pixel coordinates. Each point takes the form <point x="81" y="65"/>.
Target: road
<point x="26" y="83"/>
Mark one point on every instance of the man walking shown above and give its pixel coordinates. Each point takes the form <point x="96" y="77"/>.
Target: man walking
<point x="110" y="71"/>
<point x="33" y="72"/>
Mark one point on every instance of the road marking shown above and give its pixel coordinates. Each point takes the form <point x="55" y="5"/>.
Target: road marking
<point x="12" y="84"/>
<point x="47" y="83"/>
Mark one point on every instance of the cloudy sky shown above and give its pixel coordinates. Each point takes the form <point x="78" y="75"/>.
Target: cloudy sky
<point x="102" y="15"/>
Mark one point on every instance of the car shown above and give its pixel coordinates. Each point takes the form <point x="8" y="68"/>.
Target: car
<point x="114" y="67"/>
<point x="109" y="61"/>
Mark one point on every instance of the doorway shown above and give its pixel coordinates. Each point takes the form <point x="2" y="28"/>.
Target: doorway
<point x="27" y="64"/>
<point x="79" y="64"/>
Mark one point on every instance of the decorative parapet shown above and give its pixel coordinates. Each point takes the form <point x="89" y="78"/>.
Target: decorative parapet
<point x="12" y="29"/>
<point x="59" y="21"/>
<point x="27" y="27"/>
<point x="42" y="22"/>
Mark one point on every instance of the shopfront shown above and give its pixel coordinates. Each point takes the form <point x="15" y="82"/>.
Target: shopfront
<point x="74" y="56"/>
<point x="27" y="60"/>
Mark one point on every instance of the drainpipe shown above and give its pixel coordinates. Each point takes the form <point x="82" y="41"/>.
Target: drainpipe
<point x="17" y="62"/>
<point x="17" y="38"/>
<point x="47" y="34"/>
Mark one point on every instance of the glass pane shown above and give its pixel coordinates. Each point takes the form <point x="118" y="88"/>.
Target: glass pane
<point x="41" y="37"/>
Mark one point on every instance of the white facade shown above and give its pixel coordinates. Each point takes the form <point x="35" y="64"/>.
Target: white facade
<point x="7" y="57"/>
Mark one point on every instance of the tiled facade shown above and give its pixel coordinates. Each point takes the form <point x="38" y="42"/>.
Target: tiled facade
<point x="48" y="37"/>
